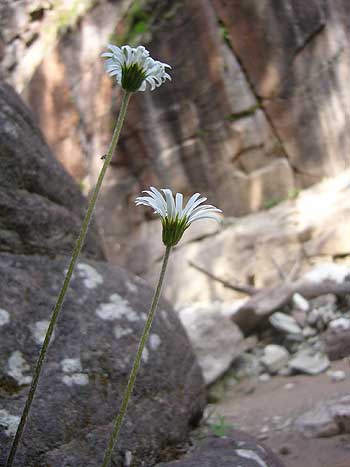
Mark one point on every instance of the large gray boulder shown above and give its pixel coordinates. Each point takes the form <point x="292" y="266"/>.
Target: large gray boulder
<point x="41" y="207"/>
<point x="88" y="364"/>
<point x="236" y="449"/>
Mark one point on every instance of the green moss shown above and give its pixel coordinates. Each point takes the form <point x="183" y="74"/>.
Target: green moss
<point x="217" y="390"/>
<point x="294" y="193"/>
<point x="204" y="132"/>
<point x="271" y="203"/>
<point x="9" y="386"/>
<point x="220" y="428"/>
<point x="143" y="18"/>
<point x="245" y="113"/>
<point x="68" y="17"/>
<point x="138" y="21"/>
<point x="225" y="35"/>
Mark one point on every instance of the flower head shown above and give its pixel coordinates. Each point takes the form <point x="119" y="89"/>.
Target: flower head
<point x="134" y="68"/>
<point x="176" y="218"/>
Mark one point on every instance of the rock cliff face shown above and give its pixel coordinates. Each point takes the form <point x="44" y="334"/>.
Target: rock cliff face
<point x="297" y="63"/>
<point x="258" y="106"/>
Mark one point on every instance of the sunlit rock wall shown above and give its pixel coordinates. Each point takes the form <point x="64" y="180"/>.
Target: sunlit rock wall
<point x="296" y="58"/>
<point x="258" y="107"/>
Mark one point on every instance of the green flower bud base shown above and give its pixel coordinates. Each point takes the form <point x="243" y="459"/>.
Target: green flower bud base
<point x="132" y="77"/>
<point x="173" y="230"/>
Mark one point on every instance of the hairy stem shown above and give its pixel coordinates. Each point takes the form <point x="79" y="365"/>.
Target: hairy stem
<point x="57" y="308"/>
<point x="132" y="377"/>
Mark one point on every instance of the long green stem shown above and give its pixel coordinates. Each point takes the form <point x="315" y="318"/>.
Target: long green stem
<point x="77" y="248"/>
<point x="132" y="377"/>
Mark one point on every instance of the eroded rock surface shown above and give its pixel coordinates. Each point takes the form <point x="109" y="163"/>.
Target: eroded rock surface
<point x="41" y="207"/>
<point x="296" y="61"/>
<point x="96" y="339"/>
<point x="88" y="363"/>
<point x="232" y="450"/>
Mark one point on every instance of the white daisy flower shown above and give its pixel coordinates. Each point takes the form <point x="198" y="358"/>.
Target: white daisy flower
<point x="134" y="68"/>
<point x="176" y="218"/>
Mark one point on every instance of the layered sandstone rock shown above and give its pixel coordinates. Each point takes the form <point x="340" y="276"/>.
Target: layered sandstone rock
<point x="258" y="106"/>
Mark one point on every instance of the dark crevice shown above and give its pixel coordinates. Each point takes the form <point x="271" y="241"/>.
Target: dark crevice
<point x="308" y="40"/>
<point x="245" y="150"/>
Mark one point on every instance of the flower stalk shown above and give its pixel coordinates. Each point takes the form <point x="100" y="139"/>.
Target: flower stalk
<point x="133" y="374"/>
<point x="175" y="218"/>
<point x="57" y="308"/>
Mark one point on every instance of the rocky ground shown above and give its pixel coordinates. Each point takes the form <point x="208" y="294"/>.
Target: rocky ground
<point x="275" y="411"/>
<point x="290" y="386"/>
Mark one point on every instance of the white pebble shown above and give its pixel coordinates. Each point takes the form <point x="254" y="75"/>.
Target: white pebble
<point x="336" y="375"/>
<point x="264" y="377"/>
<point x="342" y="324"/>
<point x="300" y="302"/>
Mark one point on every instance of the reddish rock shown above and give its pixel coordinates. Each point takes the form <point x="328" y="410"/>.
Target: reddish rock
<point x="295" y="57"/>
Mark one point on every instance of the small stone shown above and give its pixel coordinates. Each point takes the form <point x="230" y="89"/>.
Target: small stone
<point x="300" y="317"/>
<point x="264" y="377"/>
<point x="328" y="299"/>
<point x="309" y="362"/>
<point x="294" y="337"/>
<point x="317" y="423"/>
<point x="286" y="371"/>
<point x="276" y="419"/>
<point x="337" y="375"/>
<point x="265" y="429"/>
<point x="308" y="331"/>
<point x="289" y="386"/>
<point x="285" y="323"/>
<point x="342" y="324"/>
<point x="313" y="317"/>
<point x="341" y="415"/>
<point x="300" y="302"/>
<point x="247" y="365"/>
<point x="328" y="271"/>
<point x="284" y="450"/>
<point x="275" y="357"/>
